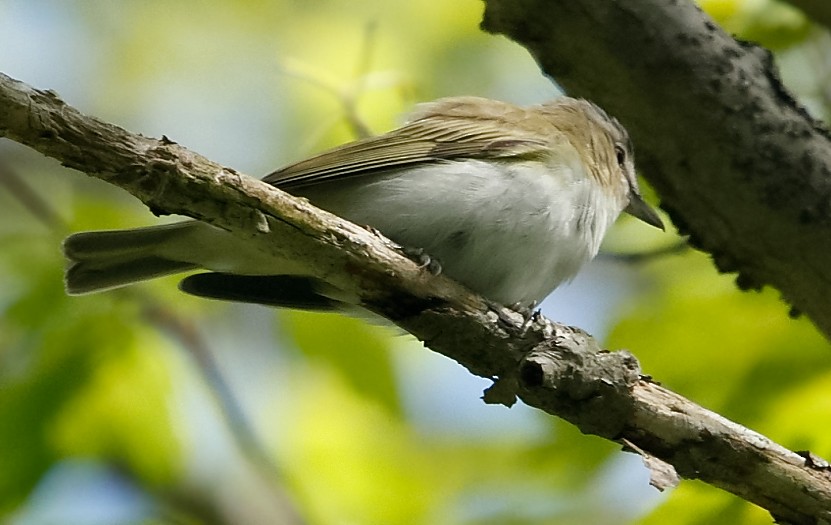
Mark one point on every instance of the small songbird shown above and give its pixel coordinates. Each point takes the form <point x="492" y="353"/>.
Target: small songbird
<point x="510" y="201"/>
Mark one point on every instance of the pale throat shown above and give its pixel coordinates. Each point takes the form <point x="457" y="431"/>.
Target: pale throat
<point x="595" y="201"/>
<point x="597" y="209"/>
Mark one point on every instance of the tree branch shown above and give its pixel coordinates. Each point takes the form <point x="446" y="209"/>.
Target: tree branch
<point x="738" y="164"/>
<point x="555" y="368"/>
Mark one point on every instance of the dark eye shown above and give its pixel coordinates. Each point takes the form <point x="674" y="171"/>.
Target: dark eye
<point x="621" y="155"/>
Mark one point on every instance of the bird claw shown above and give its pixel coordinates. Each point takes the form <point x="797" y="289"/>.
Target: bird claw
<point x="417" y="255"/>
<point x="422" y="259"/>
<point x="528" y="313"/>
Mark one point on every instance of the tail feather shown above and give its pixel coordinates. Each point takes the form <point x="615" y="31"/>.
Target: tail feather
<point x="101" y="260"/>
<point x="83" y="277"/>
<point x="286" y="291"/>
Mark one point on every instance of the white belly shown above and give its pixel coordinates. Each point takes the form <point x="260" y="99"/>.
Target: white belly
<point x="512" y="233"/>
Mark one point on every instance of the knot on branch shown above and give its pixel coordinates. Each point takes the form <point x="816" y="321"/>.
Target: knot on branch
<point x="585" y="385"/>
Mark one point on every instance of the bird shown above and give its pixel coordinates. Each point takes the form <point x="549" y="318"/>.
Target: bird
<point x="510" y="201"/>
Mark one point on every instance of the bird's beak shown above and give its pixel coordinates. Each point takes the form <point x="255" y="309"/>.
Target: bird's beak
<point x="639" y="209"/>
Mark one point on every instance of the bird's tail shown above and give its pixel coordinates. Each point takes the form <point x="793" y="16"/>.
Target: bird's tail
<point x="101" y="260"/>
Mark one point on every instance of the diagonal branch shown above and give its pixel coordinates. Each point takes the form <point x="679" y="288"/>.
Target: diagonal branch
<point x="739" y="165"/>
<point x="558" y="369"/>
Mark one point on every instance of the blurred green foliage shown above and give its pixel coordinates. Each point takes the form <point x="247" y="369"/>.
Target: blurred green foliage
<point x="775" y="25"/>
<point x="363" y="425"/>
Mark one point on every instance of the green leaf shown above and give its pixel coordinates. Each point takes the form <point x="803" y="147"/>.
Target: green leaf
<point x="359" y="352"/>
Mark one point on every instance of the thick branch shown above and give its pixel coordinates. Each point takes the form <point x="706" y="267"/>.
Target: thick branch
<point x="558" y="369"/>
<point x="737" y="163"/>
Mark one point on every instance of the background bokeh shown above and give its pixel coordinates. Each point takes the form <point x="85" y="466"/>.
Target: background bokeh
<point x="147" y="406"/>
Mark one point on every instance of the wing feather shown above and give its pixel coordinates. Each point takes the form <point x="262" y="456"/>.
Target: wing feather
<point x="445" y="130"/>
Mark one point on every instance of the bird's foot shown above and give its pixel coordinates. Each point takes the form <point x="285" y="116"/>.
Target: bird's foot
<point x="507" y="316"/>
<point x="529" y="312"/>
<point x="417" y="255"/>
<point x="422" y="259"/>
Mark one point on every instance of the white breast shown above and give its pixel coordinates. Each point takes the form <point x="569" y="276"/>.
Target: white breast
<point x="512" y="232"/>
